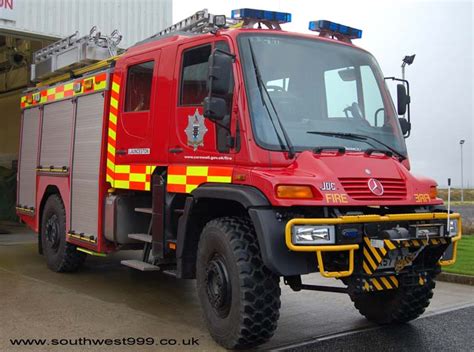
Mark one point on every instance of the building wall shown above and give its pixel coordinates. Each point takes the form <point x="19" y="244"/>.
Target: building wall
<point x="9" y="128"/>
<point x="135" y="19"/>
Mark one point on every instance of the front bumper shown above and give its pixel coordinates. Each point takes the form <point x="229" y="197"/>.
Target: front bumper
<point x="372" y="256"/>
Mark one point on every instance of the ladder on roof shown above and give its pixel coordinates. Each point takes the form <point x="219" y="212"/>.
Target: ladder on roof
<point x="73" y="52"/>
<point x="201" y="22"/>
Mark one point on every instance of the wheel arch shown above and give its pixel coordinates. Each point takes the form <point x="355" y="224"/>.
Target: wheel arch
<point x="207" y="202"/>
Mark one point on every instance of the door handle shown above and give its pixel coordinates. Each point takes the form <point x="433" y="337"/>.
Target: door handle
<point x="175" y="150"/>
<point x="120" y="152"/>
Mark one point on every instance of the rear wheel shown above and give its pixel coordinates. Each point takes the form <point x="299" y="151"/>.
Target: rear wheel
<point x="240" y="296"/>
<point x="61" y="256"/>
<point x="395" y="306"/>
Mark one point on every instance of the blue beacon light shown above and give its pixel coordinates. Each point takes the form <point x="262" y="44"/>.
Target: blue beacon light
<point x="336" y="29"/>
<point x="261" y="15"/>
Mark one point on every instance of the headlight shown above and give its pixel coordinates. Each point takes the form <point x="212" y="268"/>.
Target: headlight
<point x="307" y="234"/>
<point x="453" y="227"/>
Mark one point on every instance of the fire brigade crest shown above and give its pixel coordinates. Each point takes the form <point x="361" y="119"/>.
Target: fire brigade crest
<point x="196" y="130"/>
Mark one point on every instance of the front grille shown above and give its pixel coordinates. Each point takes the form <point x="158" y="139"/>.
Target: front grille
<point x="358" y="189"/>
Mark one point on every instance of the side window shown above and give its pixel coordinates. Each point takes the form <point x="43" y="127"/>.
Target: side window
<point x="139" y="87"/>
<point x="194" y="75"/>
<point x="341" y="91"/>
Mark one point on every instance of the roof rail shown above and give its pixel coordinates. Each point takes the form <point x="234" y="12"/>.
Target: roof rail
<point x="73" y="52"/>
<point x="201" y="22"/>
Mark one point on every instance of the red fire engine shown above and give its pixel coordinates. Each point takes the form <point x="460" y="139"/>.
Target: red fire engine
<point x="234" y="155"/>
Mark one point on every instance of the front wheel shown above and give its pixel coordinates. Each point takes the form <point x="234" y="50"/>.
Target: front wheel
<point x="240" y="296"/>
<point x="395" y="306"/>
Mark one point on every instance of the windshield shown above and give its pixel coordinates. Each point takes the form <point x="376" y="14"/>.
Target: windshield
<point x="320" y="91"/>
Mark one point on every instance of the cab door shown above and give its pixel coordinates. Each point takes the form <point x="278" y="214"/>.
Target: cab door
<point x="137" y="107"/>
<point x="193" y="138"/>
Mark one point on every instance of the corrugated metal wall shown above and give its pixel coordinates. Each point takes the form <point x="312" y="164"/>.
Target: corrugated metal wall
<point x="135" y="19"/>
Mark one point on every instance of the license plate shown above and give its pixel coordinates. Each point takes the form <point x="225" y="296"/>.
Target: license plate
<point x="399" y="261"/>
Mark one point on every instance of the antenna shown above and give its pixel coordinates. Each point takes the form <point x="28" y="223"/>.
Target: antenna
<point x="449" y="206"/>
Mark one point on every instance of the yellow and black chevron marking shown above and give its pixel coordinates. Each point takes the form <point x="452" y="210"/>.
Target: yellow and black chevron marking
<point x="381" y="283"/>
<point x="373" y="256"/>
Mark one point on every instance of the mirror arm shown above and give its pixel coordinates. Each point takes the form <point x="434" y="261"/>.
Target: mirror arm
<point x="225" y="53"/>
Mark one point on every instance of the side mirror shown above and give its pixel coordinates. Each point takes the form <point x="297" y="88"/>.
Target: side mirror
<point x="405" y="126"/>
<point x="402" y="99"/>
<point x="215" y="108"/>
<point x="220" y="70"/>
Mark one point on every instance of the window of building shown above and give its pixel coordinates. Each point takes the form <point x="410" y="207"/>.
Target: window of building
<point x="139" y="83"/>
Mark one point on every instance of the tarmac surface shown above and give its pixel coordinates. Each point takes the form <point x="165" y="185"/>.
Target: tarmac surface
<point x="108" y="301"/>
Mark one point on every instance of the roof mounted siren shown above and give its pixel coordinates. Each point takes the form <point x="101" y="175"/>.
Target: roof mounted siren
<point x="249" y="17"/>
<point x="328" y="29"/>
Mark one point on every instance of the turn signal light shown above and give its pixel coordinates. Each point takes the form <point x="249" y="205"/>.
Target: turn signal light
<point x="289" y="191"/>
<point x="433" y="192"/>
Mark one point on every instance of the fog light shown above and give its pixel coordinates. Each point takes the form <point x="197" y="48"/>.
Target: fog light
<point x="307" y="234"/>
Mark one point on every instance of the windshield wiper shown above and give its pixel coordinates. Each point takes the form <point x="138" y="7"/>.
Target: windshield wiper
<point x="261" y="85"/>
<point x="355" y="136"/>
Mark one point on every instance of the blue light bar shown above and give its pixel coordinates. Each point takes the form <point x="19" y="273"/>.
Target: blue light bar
<point x="272" y="16"/>
<point x="323" y="25"/>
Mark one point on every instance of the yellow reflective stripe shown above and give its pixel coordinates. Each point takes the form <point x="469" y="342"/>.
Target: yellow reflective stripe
<point x="111" y="149"/>
<point x="389" y="244"/>
<point x="366" y="267"/>
<point x="377" y="285"/>
<point x="177" y="179"/>
<point x="112" y="134"/>
<point x="137" y="177"/>
<point x="100" y="85"/>
<point x="121" y="184"/>
<point x="110" y="164"/>
<point x="394" y="280"/>
<point x="115" y="87"/>
<point x="197" y="170"/>
<point x="386" y="283"/>
<point x="122" y="169"/>
<point x="190" y="188"/>
<point x="113" y="118"/>
<point x="372" y="250"/>
<point x="69" y="86"/>
<point x="114" y="102"/>
<point x="220" y="179"/>
<point x="368" y="257"/>
<point x="59" y="95"/>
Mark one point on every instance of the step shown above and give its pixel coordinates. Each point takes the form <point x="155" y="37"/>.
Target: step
<point x="139" y="265"/>
<point x="144" y="210"/>
<point x="140" y="237"/>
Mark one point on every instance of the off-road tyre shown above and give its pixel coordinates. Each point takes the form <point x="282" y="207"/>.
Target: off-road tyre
<point x="61" y="256"/>
<point x="395" y="306"/>
<point x="243" y="311"/>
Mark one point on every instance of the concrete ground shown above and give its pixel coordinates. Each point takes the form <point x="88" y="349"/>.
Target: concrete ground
<point x="107" y="300"/>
